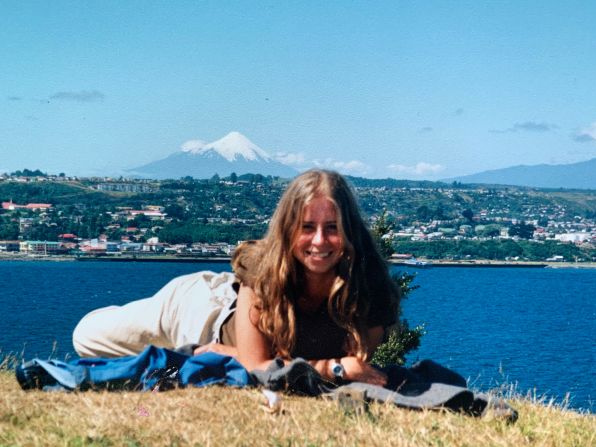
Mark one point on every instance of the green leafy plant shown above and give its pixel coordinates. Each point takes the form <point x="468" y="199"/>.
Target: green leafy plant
<point x="381" y="227"/>
<point x="400" y="339"/>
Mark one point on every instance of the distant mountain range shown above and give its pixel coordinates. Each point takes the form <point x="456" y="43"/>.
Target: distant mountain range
<point x="580" y="175"/>
<point x="236" y="153"/>
<point x="232" y="153"/>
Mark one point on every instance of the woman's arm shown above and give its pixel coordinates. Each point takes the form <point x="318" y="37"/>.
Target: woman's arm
<point x="254" y="351"/>
<point x="355" y="370"/>
<point x="218" y="348"/>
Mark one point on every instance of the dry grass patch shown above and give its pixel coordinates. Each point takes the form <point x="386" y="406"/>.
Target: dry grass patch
<point x="227" y="416"/>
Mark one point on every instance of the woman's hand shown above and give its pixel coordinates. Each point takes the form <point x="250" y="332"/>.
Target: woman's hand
<point x="218" y="348"/>
<point x="357" y="370"/>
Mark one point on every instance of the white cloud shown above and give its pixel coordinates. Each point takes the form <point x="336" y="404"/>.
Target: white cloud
<point x="353" y="167"/>
<point x="586" y="134"/>
<point x="291" y="158"/>
<point x="192" y="145"/>
<point x="421" y="168"/>
<point x="300" y="161"/>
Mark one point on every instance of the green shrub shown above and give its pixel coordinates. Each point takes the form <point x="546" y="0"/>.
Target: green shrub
<point x="400" y="339"/>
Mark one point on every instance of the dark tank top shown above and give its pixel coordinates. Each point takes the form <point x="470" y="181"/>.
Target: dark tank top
<point x="317" y="335"/>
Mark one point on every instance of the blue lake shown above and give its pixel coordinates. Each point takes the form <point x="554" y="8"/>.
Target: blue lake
<point x="531" y="327"/>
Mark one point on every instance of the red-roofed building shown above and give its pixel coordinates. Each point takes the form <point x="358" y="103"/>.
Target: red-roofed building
<point x="67" y="236"/>
<point x="10" y="206"/>
<point x="30" y="206"/>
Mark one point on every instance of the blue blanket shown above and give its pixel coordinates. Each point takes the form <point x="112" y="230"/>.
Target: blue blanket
<point x="154" y="367"/>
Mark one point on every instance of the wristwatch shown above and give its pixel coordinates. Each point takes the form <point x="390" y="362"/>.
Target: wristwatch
<point x="338" y="371"/>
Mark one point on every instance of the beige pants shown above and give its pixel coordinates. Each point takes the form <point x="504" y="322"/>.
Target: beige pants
<point x="173" y="317"/>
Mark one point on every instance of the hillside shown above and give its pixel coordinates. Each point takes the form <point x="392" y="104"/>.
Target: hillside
<point x="222" y="210"/>
<point x="51" y="192"/>
<point x="254" y="193"/>
<point x="580" y="175"/>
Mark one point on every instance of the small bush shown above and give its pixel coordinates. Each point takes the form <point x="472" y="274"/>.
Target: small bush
<point x="400" y="339"/>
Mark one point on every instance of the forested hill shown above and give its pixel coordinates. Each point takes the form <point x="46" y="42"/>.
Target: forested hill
<point x="256" y="197"/>
<point x="394" y="183"/>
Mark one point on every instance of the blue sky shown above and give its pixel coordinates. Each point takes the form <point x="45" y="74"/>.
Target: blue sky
<point x="404" y="89"/>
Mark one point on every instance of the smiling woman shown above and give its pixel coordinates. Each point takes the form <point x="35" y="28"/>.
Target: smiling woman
<point x="319" y="289"/>
<point x="314" y="287"/>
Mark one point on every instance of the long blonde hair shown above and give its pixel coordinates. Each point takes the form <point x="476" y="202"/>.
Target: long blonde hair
<point x="361" y="281"/>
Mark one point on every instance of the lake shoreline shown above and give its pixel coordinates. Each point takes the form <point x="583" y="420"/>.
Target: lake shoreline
<point x="226" y="259"/>
<point x="495" y="264"/>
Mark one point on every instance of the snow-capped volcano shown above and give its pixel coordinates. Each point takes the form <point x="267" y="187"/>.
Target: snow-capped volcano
<point x="232" y="153"/>
<point x="231" y="147"/>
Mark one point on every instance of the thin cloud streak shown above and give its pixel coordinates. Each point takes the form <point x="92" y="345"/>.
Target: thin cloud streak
<point x="528" y="126"/>
<point x="82" y="96"/>
<point x="532" y="126"/>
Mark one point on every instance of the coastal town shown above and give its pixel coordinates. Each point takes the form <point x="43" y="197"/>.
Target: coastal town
<point x="188" y="218"/>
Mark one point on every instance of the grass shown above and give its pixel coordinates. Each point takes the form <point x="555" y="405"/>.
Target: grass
<point x="227" y="416"/>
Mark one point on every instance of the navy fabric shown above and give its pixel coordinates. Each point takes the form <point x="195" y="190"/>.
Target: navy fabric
<point x="425" y="385"/>
<point x="422" y="372"/>
<point x="154" y="367"/>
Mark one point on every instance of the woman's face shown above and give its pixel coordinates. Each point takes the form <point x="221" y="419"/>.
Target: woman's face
<point x="319" y="245"/>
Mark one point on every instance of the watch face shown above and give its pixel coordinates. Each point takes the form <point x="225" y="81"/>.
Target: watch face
<point x="338" y="370"/>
